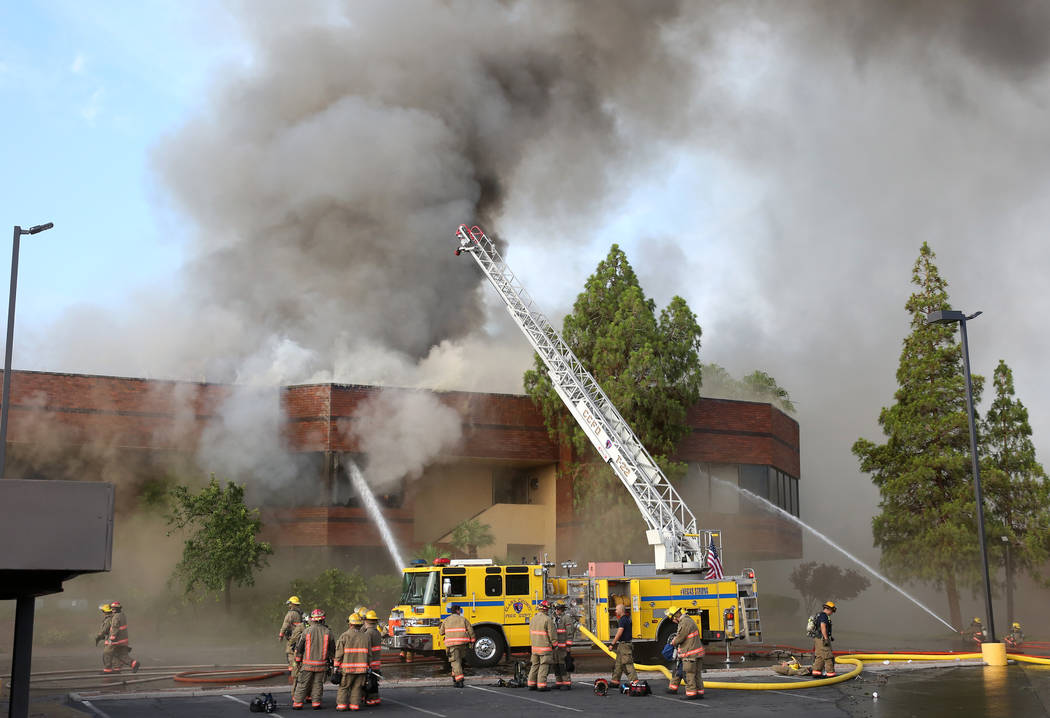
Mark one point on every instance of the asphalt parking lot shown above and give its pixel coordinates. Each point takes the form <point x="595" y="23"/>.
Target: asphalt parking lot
<point x="480" y="699"/>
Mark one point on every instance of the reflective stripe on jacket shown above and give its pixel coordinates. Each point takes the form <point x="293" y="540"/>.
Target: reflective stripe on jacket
<point x="457" y="630"/>
<point x="315" y="648"/>
<point x="542" y="633"/>
<point x="353" y="649"/>
<point x="688" y="638"/>
<point x="118" y="629"/>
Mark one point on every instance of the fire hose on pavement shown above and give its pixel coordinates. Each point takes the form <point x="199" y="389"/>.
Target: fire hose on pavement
<point x="739" y="686"/>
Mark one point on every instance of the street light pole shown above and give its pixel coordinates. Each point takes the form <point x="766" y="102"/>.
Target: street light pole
<point x="1009" y="582"/>
<point x="6" y="398"/>
<point x="25" y="604"/>
<point x="948" y="316"/>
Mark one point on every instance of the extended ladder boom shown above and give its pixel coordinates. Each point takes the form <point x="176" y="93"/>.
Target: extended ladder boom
<point x="672" y="527"/>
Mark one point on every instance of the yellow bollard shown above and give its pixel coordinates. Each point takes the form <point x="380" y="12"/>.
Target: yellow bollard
<point x="994" y="654"/>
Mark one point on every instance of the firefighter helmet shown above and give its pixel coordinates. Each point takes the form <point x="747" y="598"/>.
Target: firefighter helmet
<point x="544" y="605"/>
<point x="105" y="608"/>
<point x="672" y="610"/>
<point x="355" y="619"/>
<point x="1015" y="625"/>
<point x="976" y="619"/>
<point x="601" y="687"/>
<point x="371" y="615"/>
<point x="831" y="605"/>
<point x="361" y="610"/>
<point x="559" y="606"/>
<point x="115" y="605"/>
<point x="317" y="615"/>
<point x="294" y="600"/>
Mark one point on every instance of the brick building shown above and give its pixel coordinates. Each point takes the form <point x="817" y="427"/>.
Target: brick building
<point x="502" y="471"/>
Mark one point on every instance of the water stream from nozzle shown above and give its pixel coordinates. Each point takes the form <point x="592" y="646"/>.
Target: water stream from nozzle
<point x="376" y="514"/>
<point x="765" y="503"/>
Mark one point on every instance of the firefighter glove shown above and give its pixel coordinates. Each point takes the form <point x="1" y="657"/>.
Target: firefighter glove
<point x="337" y="677"/>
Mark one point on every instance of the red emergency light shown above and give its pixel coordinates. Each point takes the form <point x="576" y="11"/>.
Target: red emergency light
<point x="442" y="562"/>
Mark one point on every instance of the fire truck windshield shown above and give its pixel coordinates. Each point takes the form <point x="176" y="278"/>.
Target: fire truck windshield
<point x="420" y="588"/>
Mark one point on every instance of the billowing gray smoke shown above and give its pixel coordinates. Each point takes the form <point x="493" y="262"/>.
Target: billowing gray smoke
<point x="326" y="180"/>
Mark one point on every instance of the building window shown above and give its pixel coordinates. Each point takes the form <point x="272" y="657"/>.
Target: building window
<point x="512" y="486"/>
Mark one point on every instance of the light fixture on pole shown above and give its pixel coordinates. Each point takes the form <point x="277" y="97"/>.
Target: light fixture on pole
<point x="11" y="336"/>
<point x="950" y="316"/>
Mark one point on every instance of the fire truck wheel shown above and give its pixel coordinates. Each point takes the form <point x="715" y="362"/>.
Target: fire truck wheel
<point x="667" y="629"/>
<point x="488" y="647"/>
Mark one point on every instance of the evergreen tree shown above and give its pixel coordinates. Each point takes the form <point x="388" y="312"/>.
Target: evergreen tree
<point x="1017" y="490"/>
<point x="927" y="526"/>
<point x="649" y="367"/>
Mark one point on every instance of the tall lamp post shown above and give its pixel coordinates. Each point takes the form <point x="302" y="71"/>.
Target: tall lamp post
<point x="11" y="336"/>
<point x="1009" y="582"/>
<point x="949" y="316"/>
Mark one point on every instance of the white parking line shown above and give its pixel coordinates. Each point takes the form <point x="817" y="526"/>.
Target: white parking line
<point x="796" y="694"/>
<point x="421" y="710"/>
<point x="96" y="711"/>
<point x="235" y="698"/>
<point x="524" y="698"/>
<point x="695" y="703"/>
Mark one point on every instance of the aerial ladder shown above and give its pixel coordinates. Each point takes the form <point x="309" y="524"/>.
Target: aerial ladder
<point x="672" y="531"/>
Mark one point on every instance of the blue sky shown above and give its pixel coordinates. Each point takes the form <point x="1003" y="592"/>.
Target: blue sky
<point x="87" y="90"/>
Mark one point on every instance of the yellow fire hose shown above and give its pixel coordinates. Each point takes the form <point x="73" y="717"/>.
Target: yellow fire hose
<point x="739" y="686"/>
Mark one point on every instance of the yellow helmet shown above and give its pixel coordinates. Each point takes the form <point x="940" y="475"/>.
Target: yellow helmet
<point x="361" y="610"/>
<point x="294" y="600"/>
<point x="371" y="615"/>
<point x="105" y="608"/>
<point x="831" y="605"/>
<point x="976" y="619"/>
<point x="672" y="610"/>
<point x="1016" y="625"/>
<point x="793" y="662"/>
<point x="355" y="619"/>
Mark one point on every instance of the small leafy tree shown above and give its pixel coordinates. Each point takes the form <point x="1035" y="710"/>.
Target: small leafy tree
<point x="336" y="592"/>
<point x="221" y="549"/>
<point x="470" y="535"/>
<point x="1017" y="490"/>
<point x="429" y="552"/>
<point x="824" y="582"/>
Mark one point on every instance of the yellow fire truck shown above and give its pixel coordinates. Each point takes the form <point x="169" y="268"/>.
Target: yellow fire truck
<point x="499" y="600"/>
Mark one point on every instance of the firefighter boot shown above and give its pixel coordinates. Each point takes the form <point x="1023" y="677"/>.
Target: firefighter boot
<point x="134" y="666"/>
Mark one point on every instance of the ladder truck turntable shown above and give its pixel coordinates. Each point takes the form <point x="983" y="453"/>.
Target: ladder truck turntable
<point x="500" y="600"/>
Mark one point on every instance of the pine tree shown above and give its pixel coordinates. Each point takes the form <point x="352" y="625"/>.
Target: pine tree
<point x="649" y="367"/>
<point x="1018" y="492"/>
<point x="927" y="526"/>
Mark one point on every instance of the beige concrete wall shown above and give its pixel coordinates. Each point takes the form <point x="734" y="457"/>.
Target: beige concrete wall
<point x="446" y="495"/>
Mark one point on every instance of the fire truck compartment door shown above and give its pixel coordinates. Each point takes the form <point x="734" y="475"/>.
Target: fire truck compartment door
<point x="637" y="620"/>
<point x="602" y="610"/>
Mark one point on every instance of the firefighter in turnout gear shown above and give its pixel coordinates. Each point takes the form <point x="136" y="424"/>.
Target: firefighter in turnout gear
<point x="375" y="656"/>
<point x="542" y="636"/>
<point x="976" y="631"/>
<point x="292" y="619"/>
<point x="314" y="652"/>
<point x="823" y="659"/>
<point x="117" y="653"/>
<point x="690" y="650"/>
<point x="459" y="636"/>
<point x="1015" y="638"/>
<point x="562" y="625"/>
<point x="297" y="633"/>
<point x="621" y="643"/>
<point x="351" y="664"/>
<point x="103" y="631"/>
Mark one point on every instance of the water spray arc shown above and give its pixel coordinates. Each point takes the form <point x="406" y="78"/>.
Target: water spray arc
<point x="769" y="505"/>
<point x="374" y="512"/>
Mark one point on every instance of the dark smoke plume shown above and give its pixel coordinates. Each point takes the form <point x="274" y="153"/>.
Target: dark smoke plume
<point x="326" y="179"/>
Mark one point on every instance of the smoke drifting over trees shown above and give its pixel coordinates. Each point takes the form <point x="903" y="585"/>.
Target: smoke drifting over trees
<point x="789" y="158"/>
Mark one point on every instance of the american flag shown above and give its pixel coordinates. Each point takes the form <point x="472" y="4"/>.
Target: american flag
<point x="714" y="564"/>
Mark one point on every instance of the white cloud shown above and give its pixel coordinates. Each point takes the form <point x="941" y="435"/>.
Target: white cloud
<point x="91" y="110"/>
